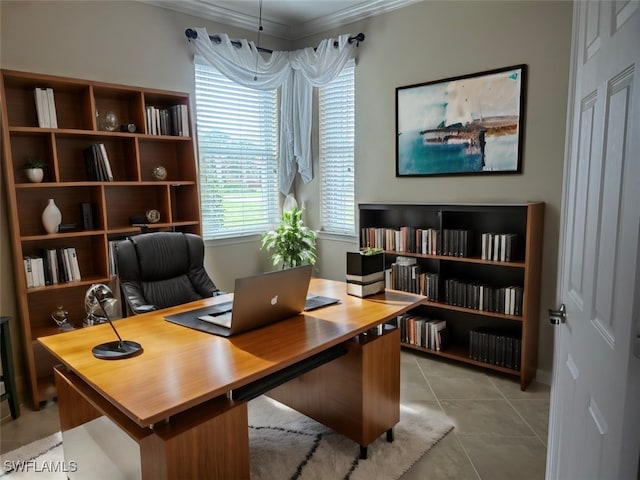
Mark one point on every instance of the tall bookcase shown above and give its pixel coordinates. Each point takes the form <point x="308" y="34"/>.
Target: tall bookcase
<point x="135" y="189"/>
<point x="522" y="270"/>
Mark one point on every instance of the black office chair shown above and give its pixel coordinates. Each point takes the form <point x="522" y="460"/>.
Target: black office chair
<point x="162" y="269"/>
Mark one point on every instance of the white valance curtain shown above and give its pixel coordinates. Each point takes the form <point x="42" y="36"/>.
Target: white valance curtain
<point x="296" y="72"/>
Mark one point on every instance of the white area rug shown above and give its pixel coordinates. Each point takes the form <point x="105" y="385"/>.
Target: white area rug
<point x="283" y="445"/>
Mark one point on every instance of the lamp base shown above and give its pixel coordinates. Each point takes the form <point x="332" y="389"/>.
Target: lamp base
<point x="116" y="350"/>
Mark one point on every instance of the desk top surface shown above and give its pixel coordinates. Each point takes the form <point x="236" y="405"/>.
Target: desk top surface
<point x="181" y="367"/>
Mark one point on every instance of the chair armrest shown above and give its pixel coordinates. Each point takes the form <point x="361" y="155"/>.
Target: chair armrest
<point x="135" y="299"/>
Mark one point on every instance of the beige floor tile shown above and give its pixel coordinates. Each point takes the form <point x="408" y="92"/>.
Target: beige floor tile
<point x="506" y="458"/>
<point x="511" y="388"/>
<point x="464" y="387"/>
<point x="485" y="417"/>
<point x="433" y="366"/>
<point x="446" y="460"/>
<point x="29" y="426"/>
<point x="535" y="411"/>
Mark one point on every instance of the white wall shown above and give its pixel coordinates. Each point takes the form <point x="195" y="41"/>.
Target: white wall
<point x="434" y="40"/>
<point x="137" y="44"/>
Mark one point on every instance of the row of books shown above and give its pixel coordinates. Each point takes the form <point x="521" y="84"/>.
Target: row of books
<point x="167" y="121"/>
<point x="97" y="164"/>
<point x="423" y="332"/>
<point x="407" y="275"/>
<point x="402" y="239"/>
<point x="495" y="347"/>
<point x="500" y="247"/>
<point x="507" y="300"/>
<point x="46" y="108"/>
<point x="54" y="265"/>
<point x="429" y="241"/>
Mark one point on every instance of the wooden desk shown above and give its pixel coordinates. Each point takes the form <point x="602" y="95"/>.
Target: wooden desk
<point x="174" y="395"/>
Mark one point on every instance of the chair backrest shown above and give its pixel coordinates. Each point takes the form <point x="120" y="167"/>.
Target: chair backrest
<point x="162" y="269"/>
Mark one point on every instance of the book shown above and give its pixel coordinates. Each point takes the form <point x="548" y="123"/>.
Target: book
<point x="28" y="271"/>
<point x="37" y="269"/>
<point x="105" y="160"/>
<point x="53" y="261"/>
<point x="46" y="264"/>
<point x="42" y="108"/>
<point x="91" y="164"/>
<point x="73" y="264"/>
<point x="53" y="117"/>
<point x="87" y="215"/>
<point x="364" y="290"/>
<point x="63" y="273"/>
<point x="184" y="121"/>
<point x="370" y="278"/>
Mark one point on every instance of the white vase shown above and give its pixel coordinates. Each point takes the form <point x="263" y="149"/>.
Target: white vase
<point x="35" y="175"/>
<point x="51" y="217"/>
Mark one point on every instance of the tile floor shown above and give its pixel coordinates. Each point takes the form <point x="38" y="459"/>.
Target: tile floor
<point x="500" y="432"/>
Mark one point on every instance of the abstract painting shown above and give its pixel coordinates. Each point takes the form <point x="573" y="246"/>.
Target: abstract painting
<point x="472" y="124"/>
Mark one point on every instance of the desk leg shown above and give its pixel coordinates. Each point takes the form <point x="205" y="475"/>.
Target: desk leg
<point x="357" y="395"/>
<point x="209" y="441"/>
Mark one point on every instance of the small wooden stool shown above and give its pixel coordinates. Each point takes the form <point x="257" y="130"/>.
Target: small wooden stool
<point x="8" y="374"/>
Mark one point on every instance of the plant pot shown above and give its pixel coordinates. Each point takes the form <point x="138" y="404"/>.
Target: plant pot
<point x="365" y="274"/>
<point x="364" y="265"/>
<point x="35" y="175"/>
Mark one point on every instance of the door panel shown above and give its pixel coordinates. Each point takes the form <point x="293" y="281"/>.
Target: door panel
<point x="594" y="428"/>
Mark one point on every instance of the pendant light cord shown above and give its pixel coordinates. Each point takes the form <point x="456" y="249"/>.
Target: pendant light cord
<point x="255" y="76"/>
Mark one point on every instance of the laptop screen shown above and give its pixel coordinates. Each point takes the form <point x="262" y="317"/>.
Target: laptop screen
<point x="259" y="300"/>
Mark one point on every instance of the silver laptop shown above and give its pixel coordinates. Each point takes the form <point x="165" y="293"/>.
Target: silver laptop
<point x="259" y="300"/>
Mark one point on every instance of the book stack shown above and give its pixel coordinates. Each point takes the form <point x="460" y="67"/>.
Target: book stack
<point x="54" y="265"/>
<point x="407" y="275"/>
<point x="403" y="239"/>
<point x="167" y="121"/>
<point x="87" y="215"/>
<point x="500" y="247"/>
<point x="496" y="347"/>
<point x="46" y="108"/>
<point x="424" y="332"/>
<point x="455" y="242"/>
<point x="365" y="274"/>
<point x="507" y="300"/>
<point x="97" y="164"/>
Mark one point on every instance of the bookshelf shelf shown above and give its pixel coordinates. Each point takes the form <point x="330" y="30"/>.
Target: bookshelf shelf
<point x="507" y="308"/>
<point x="80" y="106"/>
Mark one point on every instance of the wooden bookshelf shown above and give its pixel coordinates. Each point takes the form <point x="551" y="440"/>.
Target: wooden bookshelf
<point x="526" y="220"/>
<point x="80" y="106"/>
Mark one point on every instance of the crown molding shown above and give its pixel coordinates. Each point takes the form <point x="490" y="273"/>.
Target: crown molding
<point x="205" y="9"/>
<point x="346" y="16"/>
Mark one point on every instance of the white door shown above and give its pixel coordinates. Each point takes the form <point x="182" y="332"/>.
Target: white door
<point x="594" y="425"/>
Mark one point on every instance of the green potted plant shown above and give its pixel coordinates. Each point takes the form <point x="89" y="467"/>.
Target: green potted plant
<point x="34" y="169"/>
<point x="292" y="243"/>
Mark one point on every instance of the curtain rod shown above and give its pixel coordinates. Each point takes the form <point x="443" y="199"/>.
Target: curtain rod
<point x="190" y="33"/>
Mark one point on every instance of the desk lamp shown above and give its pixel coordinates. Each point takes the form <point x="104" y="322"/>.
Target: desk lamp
<point x="99" y="297"/>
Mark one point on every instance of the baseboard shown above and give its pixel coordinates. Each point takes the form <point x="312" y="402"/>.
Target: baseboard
<point x="544" y="376"/>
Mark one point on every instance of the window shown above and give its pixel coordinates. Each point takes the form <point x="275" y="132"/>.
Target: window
<point x="337" y="134"/>
<point x="238" y="147"/>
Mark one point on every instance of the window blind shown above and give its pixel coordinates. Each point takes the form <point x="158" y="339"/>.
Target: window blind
<point x="337" y="137"/>
<point x="238" y="151"/>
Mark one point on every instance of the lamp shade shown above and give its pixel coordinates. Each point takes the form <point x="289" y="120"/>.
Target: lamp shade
<point x="99" y="305"/>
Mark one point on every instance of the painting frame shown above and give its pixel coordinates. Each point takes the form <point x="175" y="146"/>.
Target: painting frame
<point x="466" y="125"/>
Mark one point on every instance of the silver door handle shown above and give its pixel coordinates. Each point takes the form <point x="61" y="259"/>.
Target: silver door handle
<point x="556" y="317"/>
